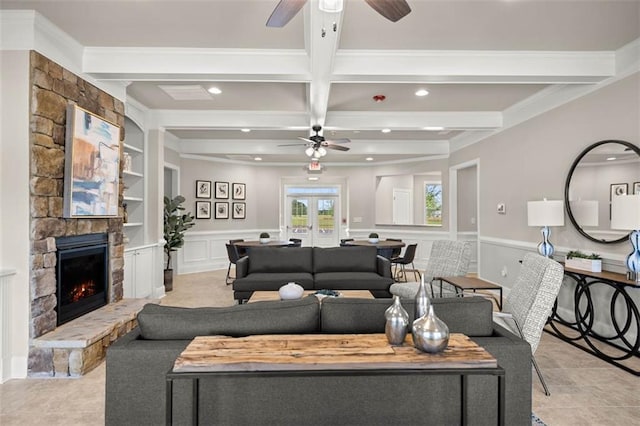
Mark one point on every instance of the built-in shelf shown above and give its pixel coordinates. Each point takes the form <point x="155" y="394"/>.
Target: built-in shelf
<point x="132" y="224"/>
<point x="133" y="174"/>
<point x="132" y="148"/>
<point x="127" y="198"/>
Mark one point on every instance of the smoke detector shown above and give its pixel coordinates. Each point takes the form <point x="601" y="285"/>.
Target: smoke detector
<point x="379" y="98"/>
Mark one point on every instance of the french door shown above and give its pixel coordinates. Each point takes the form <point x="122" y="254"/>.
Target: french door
<point x="313" y="218"/>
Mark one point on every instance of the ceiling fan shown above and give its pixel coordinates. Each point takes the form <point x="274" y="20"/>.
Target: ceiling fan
<point x="317" y="145"/>
<point x="393" y="10"/>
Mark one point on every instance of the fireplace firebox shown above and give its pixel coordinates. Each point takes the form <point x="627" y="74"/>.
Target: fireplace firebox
<point x="82" y="275"/>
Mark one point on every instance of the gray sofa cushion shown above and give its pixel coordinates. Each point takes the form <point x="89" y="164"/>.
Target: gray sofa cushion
<point x="271" y="281"/>
<point x="468" y="315"/>
<point x="351" y="281"/>
<point x="281" y="317"/>
<point x="344" y="259"/>
<point x="274" y="259"/>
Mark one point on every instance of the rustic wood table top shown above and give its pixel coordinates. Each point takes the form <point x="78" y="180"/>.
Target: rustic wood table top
<point x="379" y="244"/>
<point x="262" y="296"/>
<point x="309" y="352"/>
<point x="274" y="243"/>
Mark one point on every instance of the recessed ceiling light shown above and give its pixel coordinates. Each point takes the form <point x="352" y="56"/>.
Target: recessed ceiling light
<point x="214" y="90"/>
<point x="313" y="178"/>
<point x="245" y="130"/>
<point x="611" y="158"/>
<point x="258" y="158"/>
<point x="422" y="92"/>
<point x="385" y="130"/>
<point x="433" y="128"/>
<point x="369" y="158"/>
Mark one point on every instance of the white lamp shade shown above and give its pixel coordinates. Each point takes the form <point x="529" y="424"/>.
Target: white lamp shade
<point x="545" y="213"/>
<point x="625" y="212"/>
<point x="331" y="6"/>
<point x="585" y="212"/>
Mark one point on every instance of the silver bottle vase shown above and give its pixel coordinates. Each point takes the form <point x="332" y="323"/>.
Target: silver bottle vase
<point x="430" y="333"/>
<point x="397" y="322"/>
<point x="422" y="300"/>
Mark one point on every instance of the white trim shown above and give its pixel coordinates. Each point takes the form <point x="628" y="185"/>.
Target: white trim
<point x="453" y="206"/>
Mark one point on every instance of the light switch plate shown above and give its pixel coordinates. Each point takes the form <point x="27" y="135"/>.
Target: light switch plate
<point x="501" y="208"/>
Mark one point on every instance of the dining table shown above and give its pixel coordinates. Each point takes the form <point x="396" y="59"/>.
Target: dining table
<point x="385" y="247"/>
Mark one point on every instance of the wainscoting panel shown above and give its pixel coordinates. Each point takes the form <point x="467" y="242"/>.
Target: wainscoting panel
<point x="5" y="327"/>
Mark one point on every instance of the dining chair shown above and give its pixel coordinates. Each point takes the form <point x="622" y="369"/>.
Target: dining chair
<point x="403" y="261"/>
<point x="295" y="242"/>
<point x="527" y="308"/>
<point x="447" y="258"/>
<point x="241" y="250"/>
<point x="396" y="251"/>
<point x="344" y="240"/>
<point x="232" y="254"/>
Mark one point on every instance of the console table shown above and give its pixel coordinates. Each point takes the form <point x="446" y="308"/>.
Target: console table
<point x="622" y="315"/>
<point x="335" y="355"/>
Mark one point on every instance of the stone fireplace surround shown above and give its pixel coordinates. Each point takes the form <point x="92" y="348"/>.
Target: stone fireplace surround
<point x="52" y="88"/>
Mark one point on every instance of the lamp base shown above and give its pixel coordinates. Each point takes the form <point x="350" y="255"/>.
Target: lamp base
<point x="545" y="248"/>
<point x="633" y="260"/>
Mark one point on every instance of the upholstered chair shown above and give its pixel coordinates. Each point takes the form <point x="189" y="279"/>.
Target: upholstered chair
<point x="446" y="259"/>
<point x="233" y="255"/>
<point x="530" y="301"/>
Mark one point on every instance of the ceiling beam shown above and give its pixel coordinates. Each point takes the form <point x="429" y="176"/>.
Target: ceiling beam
<point x="208" y="119"/>
<point x="406" y="120"/>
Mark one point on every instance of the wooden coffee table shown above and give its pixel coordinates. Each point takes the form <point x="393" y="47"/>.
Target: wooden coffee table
<point x="261" y="296"/>
<point x="339" y="355"/>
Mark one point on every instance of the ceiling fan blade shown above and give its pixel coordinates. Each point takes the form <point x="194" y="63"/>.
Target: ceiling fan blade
<point x="306" y="140"/>
<point x="342" y="140"/>
<point x="284" y="12"/>
<point x="293" y="144"/>
<point x="393" y="10"/>
<point x="337" y="147"/>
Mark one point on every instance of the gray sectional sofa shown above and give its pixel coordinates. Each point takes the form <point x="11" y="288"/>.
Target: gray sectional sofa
<point x="138" y="362"/>
<point x="314" y="268"/>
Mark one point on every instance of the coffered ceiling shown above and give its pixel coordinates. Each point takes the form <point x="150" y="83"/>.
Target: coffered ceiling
<point x="485" y="64"/>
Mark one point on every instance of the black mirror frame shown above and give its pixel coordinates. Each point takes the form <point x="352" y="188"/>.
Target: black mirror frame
<point x="567" y="207"/>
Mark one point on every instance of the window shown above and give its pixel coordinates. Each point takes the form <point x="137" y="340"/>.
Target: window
<point x="433" y="203"/>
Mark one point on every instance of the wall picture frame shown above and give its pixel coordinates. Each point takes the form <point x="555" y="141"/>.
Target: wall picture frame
<point x="238" y="191"/>
<point x="636" y="188"/>
<point x="222" y="190"/>
<point x="221" y="210"/>
<point x="239" y="210"/>
<point x="92" y="165"/>
<point x="203" y="189"/>
<point x="618" y="189"/>
<point x="203" y="209"/>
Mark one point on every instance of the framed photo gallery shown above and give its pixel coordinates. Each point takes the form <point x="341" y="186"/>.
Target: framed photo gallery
<point x="236" y="192"/>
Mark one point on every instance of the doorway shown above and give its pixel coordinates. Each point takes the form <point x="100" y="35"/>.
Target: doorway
<point x="312" y="215"/>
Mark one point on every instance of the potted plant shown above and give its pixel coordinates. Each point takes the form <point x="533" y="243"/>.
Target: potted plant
<point x="588" y="262"/>
<point x="175" y="225"/>
<point x="264" y="238"/>
<point x="373" y="238"/>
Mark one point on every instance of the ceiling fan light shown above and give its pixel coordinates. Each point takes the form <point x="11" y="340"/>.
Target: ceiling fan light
<point x="331" y="6"/>
<point x="309" y="151"/>
<point x="316" y="154"/>
<point x="322" y="151"/>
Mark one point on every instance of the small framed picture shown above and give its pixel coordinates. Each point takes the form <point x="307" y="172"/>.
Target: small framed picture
<point x="618" y="189"/>
<point x="222" y="190"/>
<point x="203" y="209"/>
<point x="203" y="189"/>
<point x="239" y="210"/>
<point x="636" y="188"/>
<point x="238" y="191"/>
<point x="222" y="210"/>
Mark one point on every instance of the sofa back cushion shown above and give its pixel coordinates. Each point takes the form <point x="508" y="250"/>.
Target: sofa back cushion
<point x="469" y="315"/>
<point x="277" y="259"/>
<point x="279" y="317"/>
<point x="344" y="259"/>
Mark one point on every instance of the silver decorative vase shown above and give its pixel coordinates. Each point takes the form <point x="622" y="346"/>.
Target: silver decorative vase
<point x="430" y="334"/>
<point x="397" y="322"/>
<point x="422" y="300"/>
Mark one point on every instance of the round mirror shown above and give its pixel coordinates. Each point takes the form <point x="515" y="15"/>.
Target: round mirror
<point x="602" y="171"/>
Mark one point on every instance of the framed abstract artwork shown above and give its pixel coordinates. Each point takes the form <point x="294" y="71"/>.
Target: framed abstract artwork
<point x="636" y="188"/>
<point x="238" y="191"/>
<point x="222" y="190"/>
<point x="222" y="210"/>
<point x="92" y="165"/>
<point x="239" y="211"/>
<point x="203" y="189"/>
<point x="203" y="209"/>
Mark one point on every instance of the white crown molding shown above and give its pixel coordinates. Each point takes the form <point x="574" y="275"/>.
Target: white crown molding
<point x="136" y="111"/>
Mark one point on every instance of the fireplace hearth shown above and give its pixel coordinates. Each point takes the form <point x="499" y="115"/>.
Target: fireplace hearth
<point x="82" y="275"/>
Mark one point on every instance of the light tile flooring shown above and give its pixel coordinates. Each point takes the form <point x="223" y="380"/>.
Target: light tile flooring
<point x="584" y="390"/>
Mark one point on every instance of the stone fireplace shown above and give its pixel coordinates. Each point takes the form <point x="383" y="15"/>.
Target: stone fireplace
<point x="52" y="88"/>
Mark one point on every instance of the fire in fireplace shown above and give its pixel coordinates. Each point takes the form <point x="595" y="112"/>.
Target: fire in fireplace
<point x="82" y="275"/>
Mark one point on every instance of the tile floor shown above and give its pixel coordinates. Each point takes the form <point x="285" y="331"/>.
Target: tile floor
<point x="584" y="390"/>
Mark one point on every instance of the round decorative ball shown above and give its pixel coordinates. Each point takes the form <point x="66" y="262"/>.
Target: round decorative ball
<point x="291" y="291"/>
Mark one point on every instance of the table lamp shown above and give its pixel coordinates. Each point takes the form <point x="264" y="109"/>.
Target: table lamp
<point x="545" y="213"/>
<point x="625" y="215"/>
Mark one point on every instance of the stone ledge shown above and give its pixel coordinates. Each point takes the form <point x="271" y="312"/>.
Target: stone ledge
<point x="77" y="347"/>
